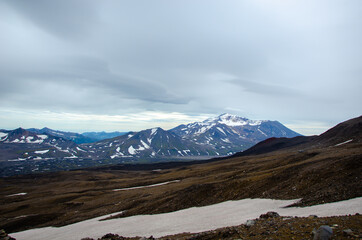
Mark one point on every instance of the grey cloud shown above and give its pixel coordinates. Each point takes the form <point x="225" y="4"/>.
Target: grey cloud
<point x="79" y="75"/>
<point x="66" y="18"/>
<point x="265" y="88"/>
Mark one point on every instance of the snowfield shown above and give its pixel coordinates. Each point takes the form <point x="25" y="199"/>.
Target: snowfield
<point x="196" y="219"/>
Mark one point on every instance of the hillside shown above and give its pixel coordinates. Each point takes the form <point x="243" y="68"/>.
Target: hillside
<point x="343" y="133"/>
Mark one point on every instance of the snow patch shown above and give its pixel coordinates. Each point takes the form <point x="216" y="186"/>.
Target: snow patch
<point x="42" y="136"/>
<point x="79" y="149"/>
<point x="41" y="152"/>
<point x="145" y="145"/>
<point x="196" y="219"/>
<point x="153" y="131"/>
<point x="221" y="130"/>
<point x="146" y="186"/>
<point x="131" y="150"/>
<point x="262" y="132"/>
<point x="17" y="194"/>
<point x="339" y="144"/>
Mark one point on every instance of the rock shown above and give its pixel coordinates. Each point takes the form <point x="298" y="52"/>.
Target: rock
<point x="5" y="236"/>
<point x="324" y="232"/>
<point x="348" y="232"/>
<point x="269" y="215"/>
<point x="250" y="223"/>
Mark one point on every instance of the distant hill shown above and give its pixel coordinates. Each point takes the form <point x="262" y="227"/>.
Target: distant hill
<point x="75" y="137"/>
<point x="23" y="145"/>
<point x="98" y="136"/>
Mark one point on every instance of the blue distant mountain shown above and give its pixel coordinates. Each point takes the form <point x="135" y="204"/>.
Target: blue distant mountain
<point x="102" y="135"/>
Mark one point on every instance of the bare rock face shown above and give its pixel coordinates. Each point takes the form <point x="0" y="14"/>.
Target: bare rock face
<point x="324" y="232"/>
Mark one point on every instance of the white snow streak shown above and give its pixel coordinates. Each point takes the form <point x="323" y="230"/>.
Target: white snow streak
<point x="145" y="145"/>
<point x="41" y="152"/>
<point x="147" y="186"/>
<point x="339" y="144"/>
<point x="220" y="129"/>
<point x="196" y="219"/>
<point x="153" y="131"/>
<point x="79" y="149"/>
<point x="17" y="194"/>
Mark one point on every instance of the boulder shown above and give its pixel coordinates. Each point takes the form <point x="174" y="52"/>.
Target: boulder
<point x="269" y="215"/>
<point x="324" y="232"/>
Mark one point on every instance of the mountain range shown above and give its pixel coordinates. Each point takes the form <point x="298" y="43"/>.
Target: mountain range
<point x="223" y="135"/>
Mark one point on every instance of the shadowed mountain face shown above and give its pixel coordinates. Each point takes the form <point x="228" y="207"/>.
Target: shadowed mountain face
<point x="317" y="170"/>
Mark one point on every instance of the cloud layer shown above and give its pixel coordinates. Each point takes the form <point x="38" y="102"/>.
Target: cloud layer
<point x="293" y="61"/>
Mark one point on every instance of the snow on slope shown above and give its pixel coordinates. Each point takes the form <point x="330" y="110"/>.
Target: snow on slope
<point x="147" y="186"/>
<point x="196" y="219"/>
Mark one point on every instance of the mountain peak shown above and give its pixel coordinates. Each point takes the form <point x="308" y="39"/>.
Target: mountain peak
<point x="19" y="130"/>
<point x="232" y="120"/>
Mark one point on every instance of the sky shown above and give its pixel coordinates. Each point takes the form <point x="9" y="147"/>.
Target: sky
<point x="87" y="65"/>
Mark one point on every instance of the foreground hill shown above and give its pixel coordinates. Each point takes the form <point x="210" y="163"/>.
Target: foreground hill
<point x="344" y="133"/>
<point x="318" y="174"/>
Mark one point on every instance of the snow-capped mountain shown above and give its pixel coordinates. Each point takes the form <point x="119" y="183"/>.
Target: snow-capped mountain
<point x="219" y="136"/>
<point x="150" y="143"/>
<point x="75" y="137"/>
<point x="229" y="133"/>
<point x="20" y="144"/>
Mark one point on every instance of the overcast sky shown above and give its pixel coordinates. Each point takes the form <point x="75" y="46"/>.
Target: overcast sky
<point x="84" y="65"/>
